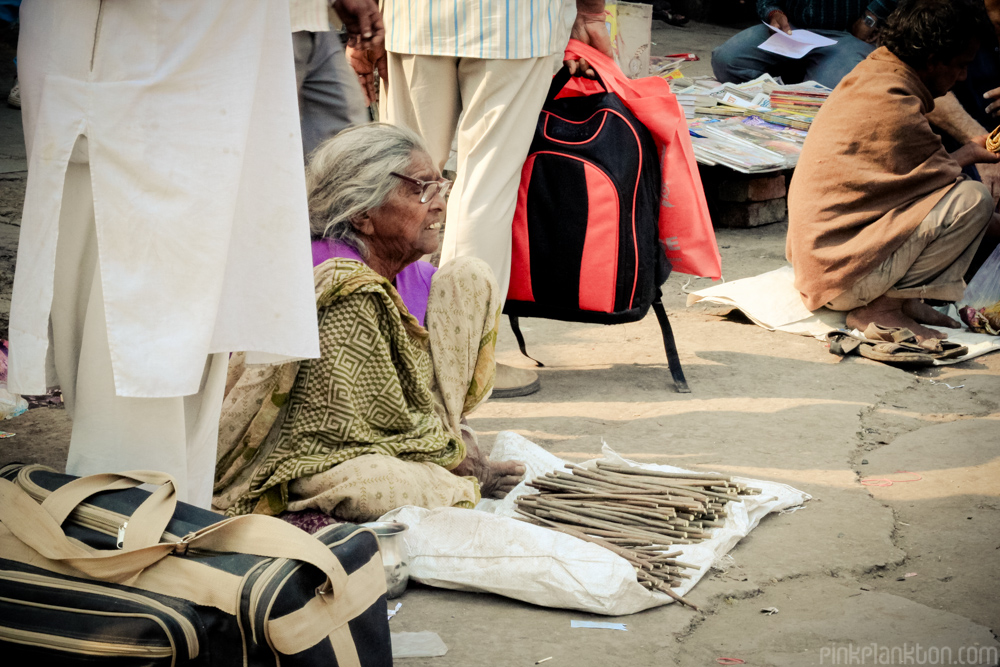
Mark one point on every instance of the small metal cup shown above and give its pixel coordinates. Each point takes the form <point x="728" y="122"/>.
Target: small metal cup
<point x="395" y="560"/>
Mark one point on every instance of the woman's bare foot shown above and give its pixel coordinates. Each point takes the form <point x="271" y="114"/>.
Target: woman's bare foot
<point x="496" y="478"/>
<point x="889" y="312"/>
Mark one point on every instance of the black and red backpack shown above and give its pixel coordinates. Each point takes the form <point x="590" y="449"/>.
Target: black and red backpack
<point x="585" y="233"/>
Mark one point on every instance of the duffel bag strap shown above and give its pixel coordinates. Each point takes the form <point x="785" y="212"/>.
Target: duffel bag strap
<point x="270" y="537"/>
<point x="36" y="528"/>
<point x="148" y="521"/>
<point x="253" y="534"/>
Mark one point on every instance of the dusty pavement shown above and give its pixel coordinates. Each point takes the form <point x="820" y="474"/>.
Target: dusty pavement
<point x="909" y="570"/>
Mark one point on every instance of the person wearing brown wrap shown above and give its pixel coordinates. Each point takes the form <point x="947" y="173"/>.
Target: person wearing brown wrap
<point x="880" y="216"/>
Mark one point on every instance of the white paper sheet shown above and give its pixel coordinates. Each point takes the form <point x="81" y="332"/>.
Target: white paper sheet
<point x="796" y="45"/>
<point x="772" y="301"/>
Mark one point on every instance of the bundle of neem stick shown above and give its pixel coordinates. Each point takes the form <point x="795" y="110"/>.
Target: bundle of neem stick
<point x="638" y="514"/>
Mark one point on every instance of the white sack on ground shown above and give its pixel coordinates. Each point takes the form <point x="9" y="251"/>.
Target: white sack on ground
<point x="488" y="551"/>
<point x="772" y="301"/>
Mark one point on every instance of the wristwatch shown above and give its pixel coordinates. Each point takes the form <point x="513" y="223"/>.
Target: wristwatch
<point x="872" y="21"/>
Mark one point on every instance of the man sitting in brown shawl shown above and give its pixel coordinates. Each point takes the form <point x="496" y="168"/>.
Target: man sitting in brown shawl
<point x="879" y="215"/>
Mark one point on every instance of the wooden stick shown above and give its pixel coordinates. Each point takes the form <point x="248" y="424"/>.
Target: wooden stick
<point x="584" y="480"/>
<point x="665" y="556"/>
<point x="658" y="585"/>
<point x="605" y="478"/>
<point x="597" y="523"/>
<point x="603" y="496"/>
<point x="662" y="473"/>
<point x="651" y="513"/>
<point x="624" y="553"/>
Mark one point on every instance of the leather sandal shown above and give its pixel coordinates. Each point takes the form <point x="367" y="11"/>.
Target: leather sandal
<point x="895" y="354"/>
<point x="938" y="348"/>
<point x="896" y="346"/>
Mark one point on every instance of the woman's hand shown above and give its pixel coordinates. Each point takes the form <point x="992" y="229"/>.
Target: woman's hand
<point x="496" y="479"/>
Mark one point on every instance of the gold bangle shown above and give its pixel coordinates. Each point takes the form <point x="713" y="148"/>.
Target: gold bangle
<point x="993" y="141"/>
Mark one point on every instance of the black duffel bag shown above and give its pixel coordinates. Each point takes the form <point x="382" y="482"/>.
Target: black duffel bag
<point x="95" y="571"/>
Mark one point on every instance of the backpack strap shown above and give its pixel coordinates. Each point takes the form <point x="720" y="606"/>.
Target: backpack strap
<point x="559" y="81"/>
<point x="516" y="327"/>
<point x="669" y="346"/>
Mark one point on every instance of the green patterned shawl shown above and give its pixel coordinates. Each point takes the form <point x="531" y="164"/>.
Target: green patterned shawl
<point x="367" y="394"/>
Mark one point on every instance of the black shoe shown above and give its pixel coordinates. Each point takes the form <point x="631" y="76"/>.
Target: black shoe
<point x="670" y="17"/>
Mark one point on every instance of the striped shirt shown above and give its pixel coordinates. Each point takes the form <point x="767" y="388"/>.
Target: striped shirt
<point x="311" y="15"/>
<point x="496" y="29"/>
<point x="825" y="14"/>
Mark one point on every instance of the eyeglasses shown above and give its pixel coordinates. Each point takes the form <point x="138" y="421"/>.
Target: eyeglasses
<point x="428" y="189"/>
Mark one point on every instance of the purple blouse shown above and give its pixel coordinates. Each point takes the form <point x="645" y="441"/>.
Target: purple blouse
<point x="413" y="283"/>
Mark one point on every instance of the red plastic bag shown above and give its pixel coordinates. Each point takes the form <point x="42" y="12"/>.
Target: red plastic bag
<point x="686" y="230"/>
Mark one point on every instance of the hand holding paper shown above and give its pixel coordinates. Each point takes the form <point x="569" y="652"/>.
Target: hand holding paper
<point x="777" y="20"/>
<point x="795" y="45"/>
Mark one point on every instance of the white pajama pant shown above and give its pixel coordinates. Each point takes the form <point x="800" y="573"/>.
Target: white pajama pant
<point x="495" y="105"/>
<point x="111" y="433"/>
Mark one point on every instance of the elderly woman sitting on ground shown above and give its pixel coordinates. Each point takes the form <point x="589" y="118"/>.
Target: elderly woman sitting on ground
<point x="377" y="422"/>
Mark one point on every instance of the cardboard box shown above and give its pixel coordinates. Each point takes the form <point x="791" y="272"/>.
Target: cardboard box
<point x="630" y="25"/>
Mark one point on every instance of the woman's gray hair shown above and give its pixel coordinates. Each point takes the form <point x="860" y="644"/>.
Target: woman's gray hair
<point x="348" y="175"/>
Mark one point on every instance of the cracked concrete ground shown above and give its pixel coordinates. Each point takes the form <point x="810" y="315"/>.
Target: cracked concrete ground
<point x="765" y="405"/>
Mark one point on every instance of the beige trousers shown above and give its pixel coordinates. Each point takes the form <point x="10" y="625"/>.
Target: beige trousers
<point x="111" y="433"/>
<point x="931" y="263"/>
<point x="495" y="105"/>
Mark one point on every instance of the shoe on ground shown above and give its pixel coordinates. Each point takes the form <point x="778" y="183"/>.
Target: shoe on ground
<point x="671" y="17"/>
<point x="14" y="98"/>
<point x="512" y="382"/>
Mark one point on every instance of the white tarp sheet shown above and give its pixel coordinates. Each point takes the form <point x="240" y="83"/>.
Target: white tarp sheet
<point x="488" y="551"/>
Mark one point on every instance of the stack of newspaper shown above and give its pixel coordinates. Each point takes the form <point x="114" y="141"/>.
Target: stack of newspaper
<point x="667" y="67"/>
<point x="797" y="105"/>
<point x="704" y="96"/>
<point x="751" y="127"/>
<point x="748" y="144"/>
<point x="769" y="98"/>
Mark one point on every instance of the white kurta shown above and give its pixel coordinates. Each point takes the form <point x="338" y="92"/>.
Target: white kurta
<point x="189" y="111"/>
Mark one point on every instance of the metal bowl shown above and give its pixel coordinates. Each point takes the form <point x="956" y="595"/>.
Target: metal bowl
<point x="395" y="560"/>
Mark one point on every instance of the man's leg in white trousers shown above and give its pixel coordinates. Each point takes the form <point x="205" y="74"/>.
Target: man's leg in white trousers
<point x="177" y="435"/>
<point x="501" y="100"/>
<point x="495" y="104"/>
<point x="423" y="96"/>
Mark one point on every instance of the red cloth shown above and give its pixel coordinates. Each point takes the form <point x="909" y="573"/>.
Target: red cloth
<point x="686" y="231"/>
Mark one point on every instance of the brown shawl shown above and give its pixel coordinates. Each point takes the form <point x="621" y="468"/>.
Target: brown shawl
<point x="870" y="171"/>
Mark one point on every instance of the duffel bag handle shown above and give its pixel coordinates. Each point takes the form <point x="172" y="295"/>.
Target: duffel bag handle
<point x="254" y="534"/>
<point x="148" y="521"/>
